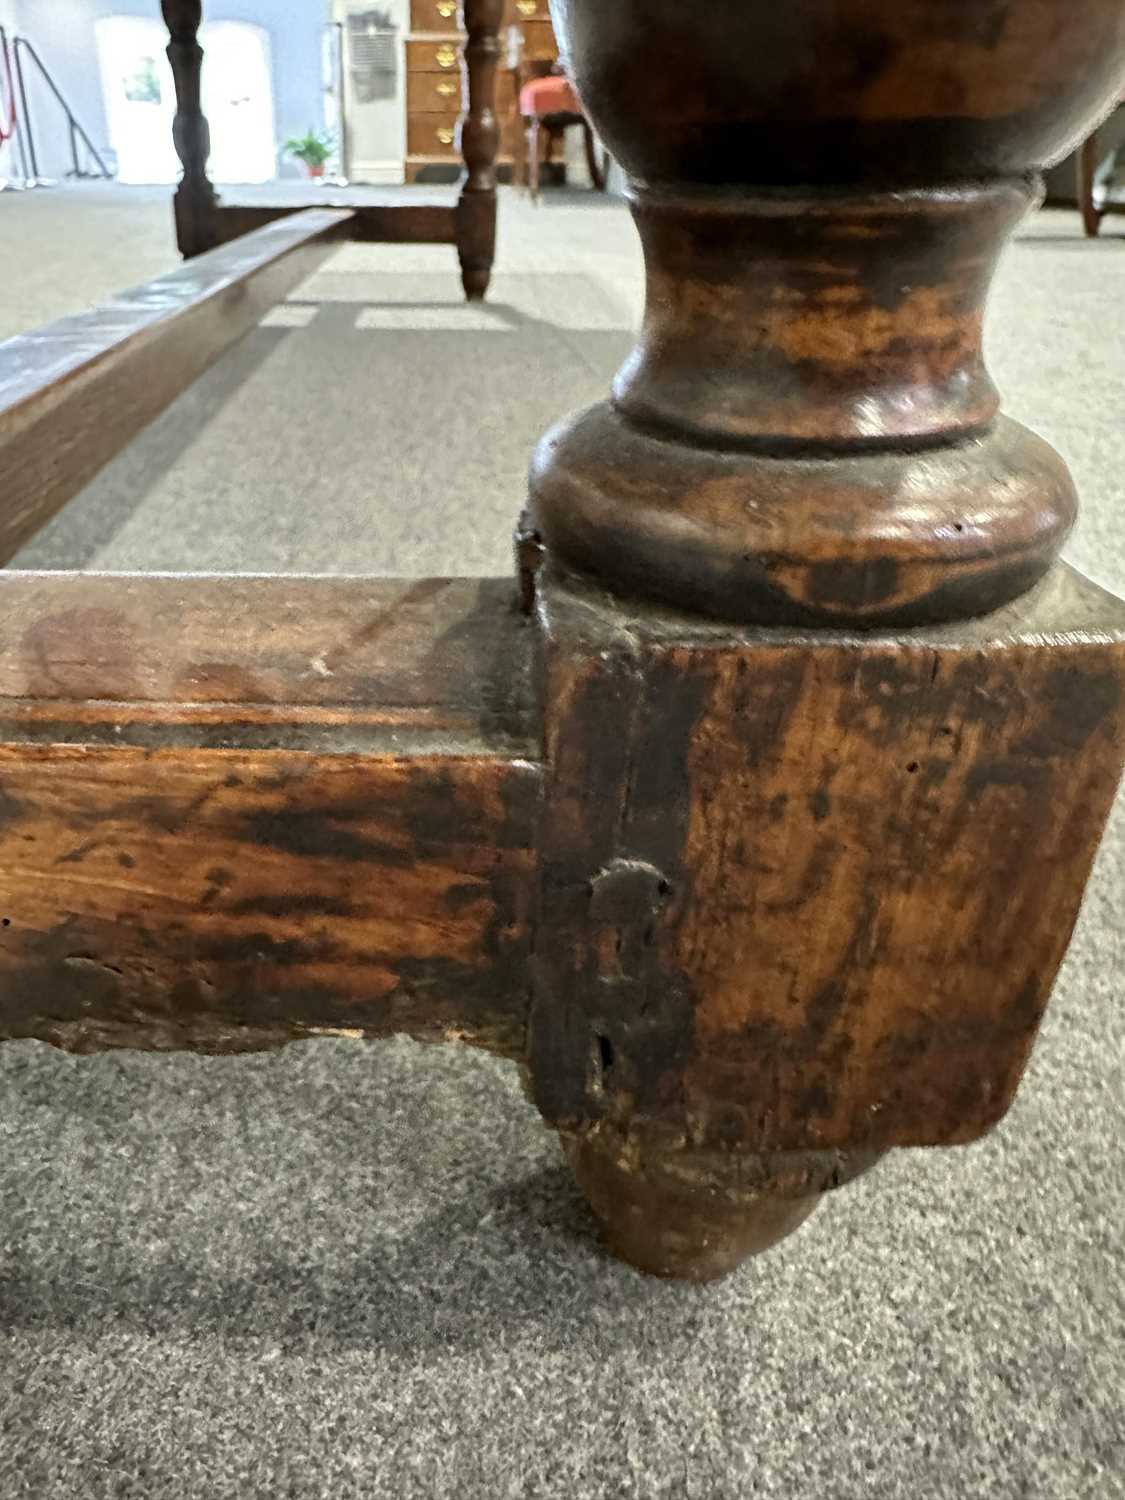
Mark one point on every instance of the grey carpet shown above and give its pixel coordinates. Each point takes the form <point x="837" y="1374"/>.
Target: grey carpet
<point x="345" y="1271"/>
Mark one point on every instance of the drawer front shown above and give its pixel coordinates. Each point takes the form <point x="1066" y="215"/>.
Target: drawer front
<point x="432" y="135"/>
<point x="434" y="15"/>
<point x="430" y="92"/>
<point x="433" y="57"/>
<point x="528" y="10"/>
<point x="539" y="40"/>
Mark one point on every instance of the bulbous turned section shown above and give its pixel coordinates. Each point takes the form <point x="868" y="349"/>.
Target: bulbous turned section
<point x="806" y="433"/>
<point x="870" y="539"/>
<point x="832" y="321"/>
<point x="696" y="1215"/>
<point x="829" y="92"/>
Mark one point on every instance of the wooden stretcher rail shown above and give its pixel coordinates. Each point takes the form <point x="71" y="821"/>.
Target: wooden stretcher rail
<point x="758" y="839"/>
<point x="204" y="221"/>
<point x="241" y="811"/>
<point x="74" y="393"/>
<point x="391" y="223"/>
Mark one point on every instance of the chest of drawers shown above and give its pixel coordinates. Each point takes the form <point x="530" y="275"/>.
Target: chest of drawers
<point x="433" y="78"/>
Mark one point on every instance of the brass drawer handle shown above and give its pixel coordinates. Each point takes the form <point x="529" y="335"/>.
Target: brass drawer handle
<point x="447" y="8"/>
<point x="446" y="90"/>
<point x="446" y="135"/>
<point x="445" y="56"/>
<point x="527" y="8"/>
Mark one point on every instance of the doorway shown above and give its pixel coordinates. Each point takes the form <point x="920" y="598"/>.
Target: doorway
<point x="140" y="99"/>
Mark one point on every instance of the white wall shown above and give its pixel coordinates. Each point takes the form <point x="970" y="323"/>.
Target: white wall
<point x="9" y="155"/>
<point x="63" y="33"/>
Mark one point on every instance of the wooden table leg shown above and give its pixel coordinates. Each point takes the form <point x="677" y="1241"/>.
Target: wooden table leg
<point x="480" y="142"/>
<point x="828" y="749"/>
<point x="759" y="837"/>
<point x="195" y="196"/>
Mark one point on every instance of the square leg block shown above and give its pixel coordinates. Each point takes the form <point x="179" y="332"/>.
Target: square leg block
<point x="809" y="891"/>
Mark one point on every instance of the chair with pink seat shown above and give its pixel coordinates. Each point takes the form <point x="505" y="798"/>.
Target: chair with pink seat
<point x="552" y="104"/>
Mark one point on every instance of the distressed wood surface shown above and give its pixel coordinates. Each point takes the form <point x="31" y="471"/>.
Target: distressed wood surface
<point x="437" y="661"/>
<point x="755" y="901"/>
<point x="805" y="892"/>
<point x="74" y="393"/>
<point x="806" y="430"/>
<point x="811" y="370"/>
<point x="241" y="811"/>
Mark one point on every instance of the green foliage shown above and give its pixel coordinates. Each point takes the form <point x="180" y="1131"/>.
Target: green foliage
<point x="313" y="148"/>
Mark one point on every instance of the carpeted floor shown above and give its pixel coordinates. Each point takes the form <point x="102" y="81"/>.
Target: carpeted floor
<point x="345" y="1271"/>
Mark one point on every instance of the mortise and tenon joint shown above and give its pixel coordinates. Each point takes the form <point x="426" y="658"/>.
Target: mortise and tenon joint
<point x="756" y="836"/>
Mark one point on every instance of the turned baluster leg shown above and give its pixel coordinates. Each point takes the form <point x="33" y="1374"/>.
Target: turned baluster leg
<point x="195" y="196"/>
<point x="830" y="735"/>
<point x="480" y="141"/>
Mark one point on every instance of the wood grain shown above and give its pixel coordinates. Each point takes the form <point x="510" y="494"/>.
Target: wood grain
<point x="437" y="661"/>
<point x="74" y="393"/>
<point x="802" y="322"/>
<point x="819" y="244"/>
<point x="810" y="892"/>
<point x="882" y="537"/>
<point x="235" y="812"/>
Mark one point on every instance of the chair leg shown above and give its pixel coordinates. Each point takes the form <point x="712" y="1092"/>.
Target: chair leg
<point x="599" y="172"/>
<point x="1087" y="165"/>
<point x="533" y="157"/>
<point x="519" y="159"/>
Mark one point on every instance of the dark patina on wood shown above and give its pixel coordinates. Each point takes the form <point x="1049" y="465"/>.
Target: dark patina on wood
<point x="237" y="812"/>
<point x="803" y="895"/>
<point x="806" y="432"/>
<point x="815" y="890"/>
<point x="804" y="892"/>
<point x="754" y="822"/>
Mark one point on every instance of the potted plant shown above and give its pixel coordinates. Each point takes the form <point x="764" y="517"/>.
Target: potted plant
<point x="313" y="148"/>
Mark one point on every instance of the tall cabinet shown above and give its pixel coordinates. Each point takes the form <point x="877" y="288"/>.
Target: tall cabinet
<point x="433" y="78"/>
